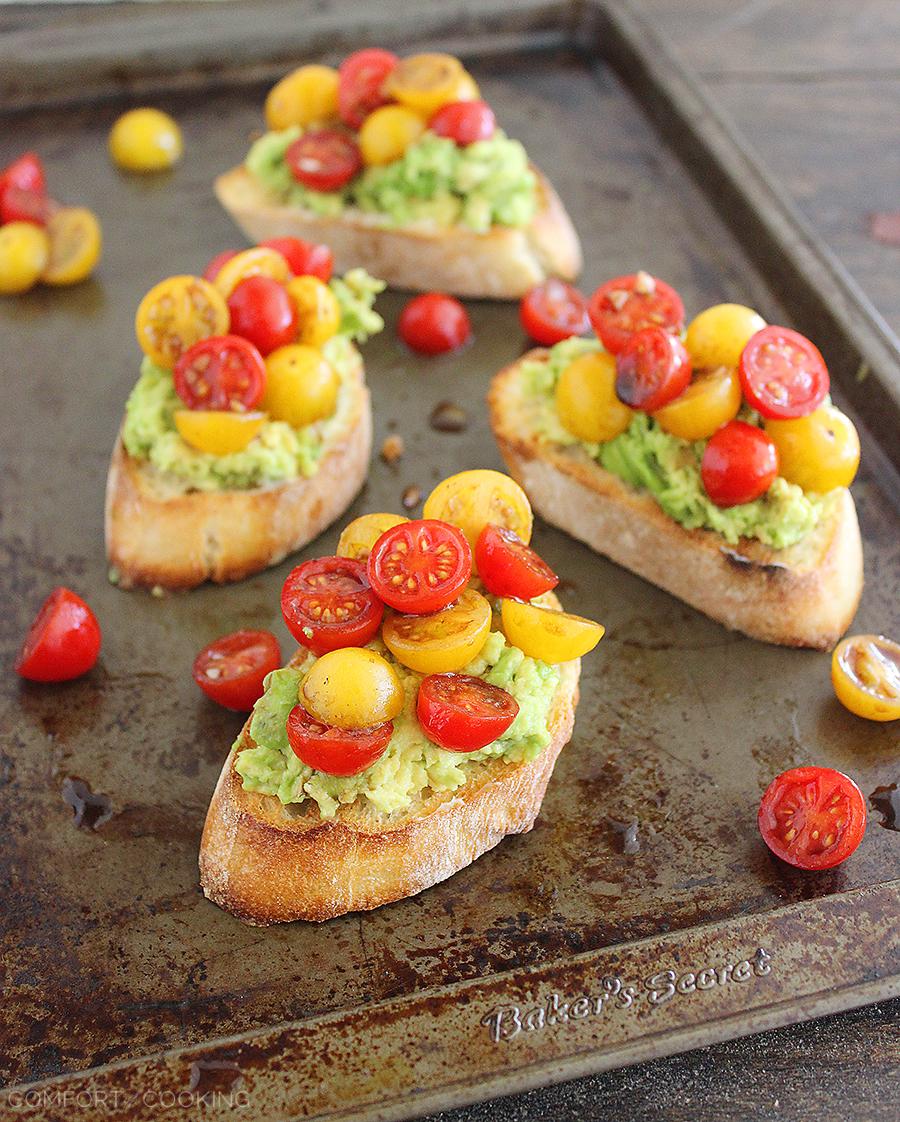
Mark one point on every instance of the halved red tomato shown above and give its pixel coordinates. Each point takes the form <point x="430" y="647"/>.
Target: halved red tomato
<point x="553" y="311"/>
<point x="332" y="750"/>
<point x="222" y="372"/>
<point x="783" y="374"/>
<point x="739" y="464"/>
<point x="812" y="817"/>
<point x="627" y="304"/>
<point x="508" y="567"/>
<point x="231" y="669"/>
<point x="361" y="84"/>
<point x="63" y="642"/>
<point x="421" y="566"/>
<point x="305" y="259"/>
<point x="652" y="369"/>
<point x="462" y="712"/>
<point x="328" y="603"/>
<point x="324" y="159"/>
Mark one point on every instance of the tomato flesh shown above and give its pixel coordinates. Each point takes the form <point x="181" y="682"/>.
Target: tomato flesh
<point x="421" y="566"/>
<point x="627" y="304"/>
<point x="652" y="369"/>
<point x="553" y="311"/>
<point x="213" y="269"/>
<point x="328" y="603"/>
<point x="463" y="713"/>
<point x="324" y="159"/>
<point x="332" y="750"/>
<point x="361" y="84"/>
<point x="433" y="324"/>
<point x="222" y="372"/>
<point x="464" y="122"/>
<point x="508" y="567"/>
<point x="232" y="669"/>
<point x="63" y="642"/>
<point x="263" y="312"/>
<point x="783" y="374"/>
<point x="305" y="259"/>
<point x="739" y="464"/>
<point x="812" y="817"/>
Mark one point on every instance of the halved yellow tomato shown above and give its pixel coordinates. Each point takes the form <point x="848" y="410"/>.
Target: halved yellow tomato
<point x="473" y="499"/>
<point x="175" y="314"/>
<point x="75" y="243"/>
<point x="586" y="399"/>
<point x="546" y="634"/>
<point x="865" y="672"/>
<point x="386" y="134"/>
<point x="362" y="533"/>
<point x="24" y="251"/>
<point x="425" y="82"/>
<point x="710" y="400"/>
<point x="818" y="452"/>
<point x="443" y="642"/>
<point x="301" y="386"/>
<point x="306" y="96"/>
<point x="260" y="261"/>
<point x="717" y="336"/>
<point x="352" y="688"/>
<point x="218" y="431"/>
<point x="318" y="310"/>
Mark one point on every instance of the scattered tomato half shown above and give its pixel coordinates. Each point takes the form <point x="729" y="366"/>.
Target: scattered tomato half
<point x="652" y="369"/>
<point x="361" y="78"/>
<point x="24" y="253"/>
<point x="865" y="673"/>
<point x="444" y="641"/>
<point x="553" y="311"/>
<point x="75" y="244"/>
<point x="305" y="259"/>
<point x="783" y="375"/>
<point x="328" y="603"/>
<point x="627" y="304"/>
<point x="420" y="567"/>
<point x="224" y="372"/>
<point x="231" y="670"/>
<point x="463" y="713"/>
<point x="335" y="751"/>
<point x="63" y="642"/>
<point x="508" y="567"/>
<point x="739" y="464"/>
<point x="464" y="122"/>
<point x="213" y="269"/>
<point x="324" y="159"/>
<point x="434" y="324"/>
<point x="812" y="817"/>
<point x="262" y="311"/>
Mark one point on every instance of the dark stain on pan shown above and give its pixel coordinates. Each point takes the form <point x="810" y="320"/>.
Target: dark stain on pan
<point x="886" y="800"/>
<point x="90" y="809"/>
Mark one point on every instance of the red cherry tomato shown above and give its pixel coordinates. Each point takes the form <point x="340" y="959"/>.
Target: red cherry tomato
<point x="305" y="259"/>
<point x="214" y="267"/>
<point x="812" y="817"/>
<point x="328" y="603"/>
<point x="263" y="312"/>
<point x="553" y="311"/>
<point x="433" y="324"/>
<point x="464" y="122"/>
<point x="324" y="159"/>
<point x="508" y="567"/>
<point x="23" y="191"/>
<point x="420" y="567"/>
<point x="332" y="750"/>
<point x="361" y="78"/>
<point x="63" y="642"/>
<point x="652" y="369"/>
<point x="222" y="372"/>
<point x="463" y="713"/>
<point x="626" y="304"/>
<point x="782" y="374"/>
<point x="231" y="670"/>
<point x="739" y="464"/>
<point x="26" y="173"/>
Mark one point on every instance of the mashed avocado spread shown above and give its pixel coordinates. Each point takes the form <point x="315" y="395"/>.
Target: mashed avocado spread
<point x="279" y="452"/>
<point x="485" y="184"/>
<point x="411" y="762"/>
<point x="649" y="459"/>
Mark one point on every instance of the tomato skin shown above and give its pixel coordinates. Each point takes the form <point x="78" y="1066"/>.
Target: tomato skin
<point x="361" y="78"/>
<point x="586" y="400"/>
<point x="24" y="253"/>
<point x="433" y="324"/>
<point x="473" y="499"/>
<point x="217" y="431"/>
<point x="62" y="643"/>
<point x="328" y="603"/>
<point x="305" y="259"/>
<point x="739" y="464"/>
<point x="818" y="452"/>
<point x="352" y="688"/>
<point x="553" y="311"/>
<point x="783" y="374"/>
<point x="407" y="558"/>
<point x="710" y="400"/>
<point x="222" y="372"/>
<point x="324" y="160"/>
<point x="145" y="140"/>
<point x="23" y="191"/>
<point x="444" y="641"/>
<point x="865" y="673"/>
<point x="231" y="670"/>
<point x="627" y="304"/>
<point x="807" y="801"/>
<point x="545" y="633"/>
<point x="335" y="751"/>
<point x="358" y="536"/>
<point x="26" y="173"/>
<point x="175" y="314"/>
<point x="463" y="713"/>
<point x="213" y="269"/>
<point x="652" y="369"/>
<point x="508" y="567"/>
<point x="464" y="122"/>
<point x="263" y="313"/>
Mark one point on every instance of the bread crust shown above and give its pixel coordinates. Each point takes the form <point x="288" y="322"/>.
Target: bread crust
<point x="502" y="264"/>
<point x="803" y="596"/>
<point x="157" y="535"/>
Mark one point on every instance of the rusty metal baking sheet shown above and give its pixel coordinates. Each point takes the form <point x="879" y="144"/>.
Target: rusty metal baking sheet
<point x="126" y="994"/>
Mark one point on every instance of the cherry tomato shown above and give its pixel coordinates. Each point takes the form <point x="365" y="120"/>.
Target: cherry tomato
<point x="23" y="191"/>
<point x="256" y="262"/>
<point x="306" y="96"/>
<point x="335" y="751"/>
<point x="812" y="817"/>
<point x="444" y="641"/>
<point x="463" y="713"/>
<point x="433" y="324"/>
<point x="63" y="642"/>
<point x="548" y="634"/>
<point x="305" y="259"/>
<point x="358" y="537"/>
<point x="145" y="140"/>
<point x="386" y="134"/>
<point x="508" y="567"/>
<point x="783" y="375"/>
<point x="464" y="122"/>
<point x="425" y="82"/>
<point x="818" y="452"/>
<point x="301" y="387"/>
<point x="175" y="314"/>
<point x="711" y="400"/>
<point x="652" y="369"/>
<point x="352" y="688"/>
<point x="75" y="244"/>
<point x="213" y="269"/>
<point x="218" y="432"/>
<point x="361" y="84"/>
<point x="717" y="335"/>
<point x="232" y="669"/>
<point x="553" y="311"/>
<point x="328" y="603"/>
<point x="586" y="399"/>
<point x="420" y="567"/>
<point x="627" y="304"/>
<point x="24" y="253"/>
<point x="739" y="464"/>
<point x="324" y="159"/>
<point x="26" y="173"/>
<point x="865" y="673"/>
<point x="318" y="310"/>
<point x="224" y="372"/>
<point x="263" y="312"/>
<point x="473" y="499"/>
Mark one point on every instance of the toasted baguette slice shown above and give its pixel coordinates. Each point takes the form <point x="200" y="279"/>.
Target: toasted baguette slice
<point x="266" y="864"/>
<point x="502" y="264"/>
<point x="803" y="596"/>
<point x="160" y="534"/>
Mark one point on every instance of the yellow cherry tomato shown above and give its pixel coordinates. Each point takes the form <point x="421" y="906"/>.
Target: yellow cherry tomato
<point x="865" y="672"/>
<point x="318" y="310"/>
<point x="306" y="96"/>
<point x="362" y="533"/>
<point x="386" y="134"/>
<point x="218" y="431"/>
<point x="352" y="688"/>
<point x="473" y="499"/>
<point x="301" y="387"/>
<point x="546" y="634"/>
<point x="24" y="251"/>
<point x="175" y="314"/>
<point x="818" y="452"/>
<point x="443" y="642"/>
<point x="586" y="399"/>
<point x="145" y="140"/>
<point x="257" y="262"/>
<point x="75" y="243"/>
<point x="710" y="400"/>
<point x="426" y="82"/>
<point x="467" y="90"/>
<point x="717" y="336"/>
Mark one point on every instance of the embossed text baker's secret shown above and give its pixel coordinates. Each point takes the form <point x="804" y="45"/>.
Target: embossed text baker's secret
<point x="614" y="993"/>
